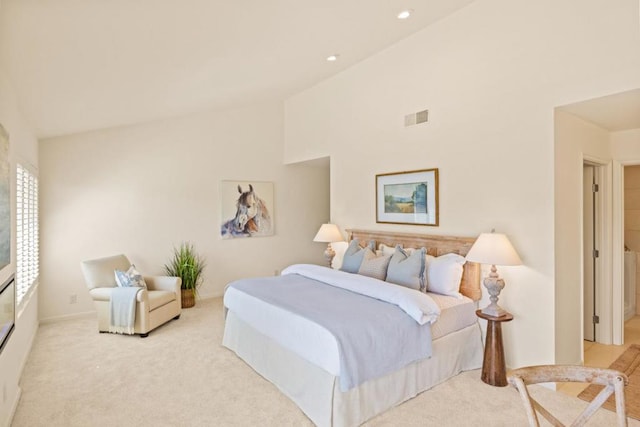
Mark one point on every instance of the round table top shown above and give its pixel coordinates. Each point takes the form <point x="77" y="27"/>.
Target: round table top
<point x="504" y="318"/>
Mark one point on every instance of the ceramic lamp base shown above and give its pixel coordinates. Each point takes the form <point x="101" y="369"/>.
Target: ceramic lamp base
<point x="494" y="310"/>
<point x="494" y="285"/>
<point x="329" y="253"/>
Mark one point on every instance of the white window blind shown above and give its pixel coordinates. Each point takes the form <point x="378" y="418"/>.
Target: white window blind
<point x="27" y="239"/>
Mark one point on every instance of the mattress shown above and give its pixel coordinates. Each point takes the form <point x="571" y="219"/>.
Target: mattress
<point x="456" y="313"/>
<point x="314" y="343"/>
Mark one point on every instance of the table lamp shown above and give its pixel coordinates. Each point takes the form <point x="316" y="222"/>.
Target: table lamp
<point x="329" y="233"/>
<point x="495" y="249"/>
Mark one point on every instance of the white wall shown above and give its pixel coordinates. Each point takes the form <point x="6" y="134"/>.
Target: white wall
<point x="575" y="141"/>
<point x="490" y="75"/>
<point x="140" y="190"/>
<point x="625" y="146"/>
<point x="23" y="148"/>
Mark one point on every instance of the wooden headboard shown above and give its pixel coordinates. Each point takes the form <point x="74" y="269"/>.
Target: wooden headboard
<point x="436" y="246"/>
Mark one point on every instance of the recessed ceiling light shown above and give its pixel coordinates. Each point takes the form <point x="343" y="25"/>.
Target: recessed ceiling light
<point x="405" y="14"/>
<point x="332" y="58"/>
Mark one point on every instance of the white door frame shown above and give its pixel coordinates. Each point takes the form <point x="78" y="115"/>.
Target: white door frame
<point x="590" y="236"/>
<point x="607" y="289"/>
<point x="617" y="254"/>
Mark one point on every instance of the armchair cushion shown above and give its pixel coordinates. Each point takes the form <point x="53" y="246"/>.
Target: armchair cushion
<point x="160" y="298"/>
<point x="154" y="299"/>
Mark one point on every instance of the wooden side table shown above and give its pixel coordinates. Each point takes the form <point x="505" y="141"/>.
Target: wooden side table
<point x="494" y="371"/>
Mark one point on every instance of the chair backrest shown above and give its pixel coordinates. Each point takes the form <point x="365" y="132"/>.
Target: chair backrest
<point x="613" y="382"/>
<point x="98" y="273"/>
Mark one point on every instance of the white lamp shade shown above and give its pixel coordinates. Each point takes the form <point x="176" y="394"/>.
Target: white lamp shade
<point x="494" y="249"/>
<point x="328" y="233"/>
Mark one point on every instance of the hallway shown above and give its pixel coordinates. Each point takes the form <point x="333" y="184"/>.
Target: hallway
<point x="601" y="356"/>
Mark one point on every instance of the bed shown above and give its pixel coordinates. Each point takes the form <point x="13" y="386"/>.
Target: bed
<point x="297" y="356"/>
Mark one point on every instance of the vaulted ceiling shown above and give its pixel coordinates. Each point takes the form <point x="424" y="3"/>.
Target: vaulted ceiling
<point x="78" y="65"/>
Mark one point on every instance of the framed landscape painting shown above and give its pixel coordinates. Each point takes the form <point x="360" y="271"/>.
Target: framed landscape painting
<point x="247" y="209"/>
<point x="407" y="197"/>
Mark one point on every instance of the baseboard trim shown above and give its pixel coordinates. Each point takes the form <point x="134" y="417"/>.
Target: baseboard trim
<point x="208" y="296"/>
<point x="56" y="319"/>
<point x="14" y="407"/>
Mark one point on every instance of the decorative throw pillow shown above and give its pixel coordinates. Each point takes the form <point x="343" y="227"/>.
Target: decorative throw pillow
<point x="385" y="250"/>
<point x="444" y="274"/>
<point x="407" y="269"/>
<point x="131" y="277"/>
<point x="373" y="265"/>
<point x="353" y="256"/>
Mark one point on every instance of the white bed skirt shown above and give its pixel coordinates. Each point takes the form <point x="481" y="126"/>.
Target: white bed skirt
<point x="317" y="392"/>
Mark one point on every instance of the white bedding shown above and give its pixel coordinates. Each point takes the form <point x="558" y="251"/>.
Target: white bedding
<point x="419" y="306"/>
<point x="314" y="343"/>
<point x="304" y="337"/>
<point x="317" y="392"/>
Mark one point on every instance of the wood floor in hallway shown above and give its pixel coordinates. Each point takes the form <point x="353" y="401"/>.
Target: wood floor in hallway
<point x="601" y="356"/>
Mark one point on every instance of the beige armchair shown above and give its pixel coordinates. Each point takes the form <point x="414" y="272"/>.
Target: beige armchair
<point x="156" y="305"/>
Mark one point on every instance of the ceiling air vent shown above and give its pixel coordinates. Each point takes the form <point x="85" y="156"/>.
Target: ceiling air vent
<point x="416" y="118"/>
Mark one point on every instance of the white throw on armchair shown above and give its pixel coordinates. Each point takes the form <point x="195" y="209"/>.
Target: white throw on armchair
<point x="156" y="305"/>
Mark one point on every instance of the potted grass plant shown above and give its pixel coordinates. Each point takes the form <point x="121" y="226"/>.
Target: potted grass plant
<point x="187" y="265"/>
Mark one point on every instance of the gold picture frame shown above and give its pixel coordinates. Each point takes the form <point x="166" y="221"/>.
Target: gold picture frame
<point x="409" y="197"/>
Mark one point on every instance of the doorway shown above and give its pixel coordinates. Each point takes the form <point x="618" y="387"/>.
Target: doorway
<point x="602" y="132"/>
<point x="631" y="219"/>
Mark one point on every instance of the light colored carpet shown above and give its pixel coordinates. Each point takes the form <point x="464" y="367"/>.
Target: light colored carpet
<point x="627" y="363"/>
<point x="181" y="376"/>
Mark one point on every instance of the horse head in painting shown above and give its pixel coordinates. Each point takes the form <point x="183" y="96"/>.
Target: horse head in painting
<point x="252" y="216"/>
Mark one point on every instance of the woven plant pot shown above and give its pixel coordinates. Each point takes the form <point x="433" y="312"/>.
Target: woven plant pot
<point x="188" y="298"/>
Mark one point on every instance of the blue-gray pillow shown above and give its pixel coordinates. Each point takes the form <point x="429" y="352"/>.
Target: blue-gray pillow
<point x="353" y="256"/>
<point x="407" y="269"/>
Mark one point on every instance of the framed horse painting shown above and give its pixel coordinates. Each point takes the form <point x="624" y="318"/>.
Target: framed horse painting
<point x="247" y="209"/>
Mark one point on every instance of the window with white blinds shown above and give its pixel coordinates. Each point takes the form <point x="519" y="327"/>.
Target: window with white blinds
<point x="27" y="239"/>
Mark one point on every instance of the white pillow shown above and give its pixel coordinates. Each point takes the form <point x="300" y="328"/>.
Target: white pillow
<point x="444" y="274"/>
<point x="427" y="260"/>
<point x="386" y="250"/>
<point x="339" y="248"/>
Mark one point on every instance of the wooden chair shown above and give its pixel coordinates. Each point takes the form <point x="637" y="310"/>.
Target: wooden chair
<point x="613" y="382"/>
